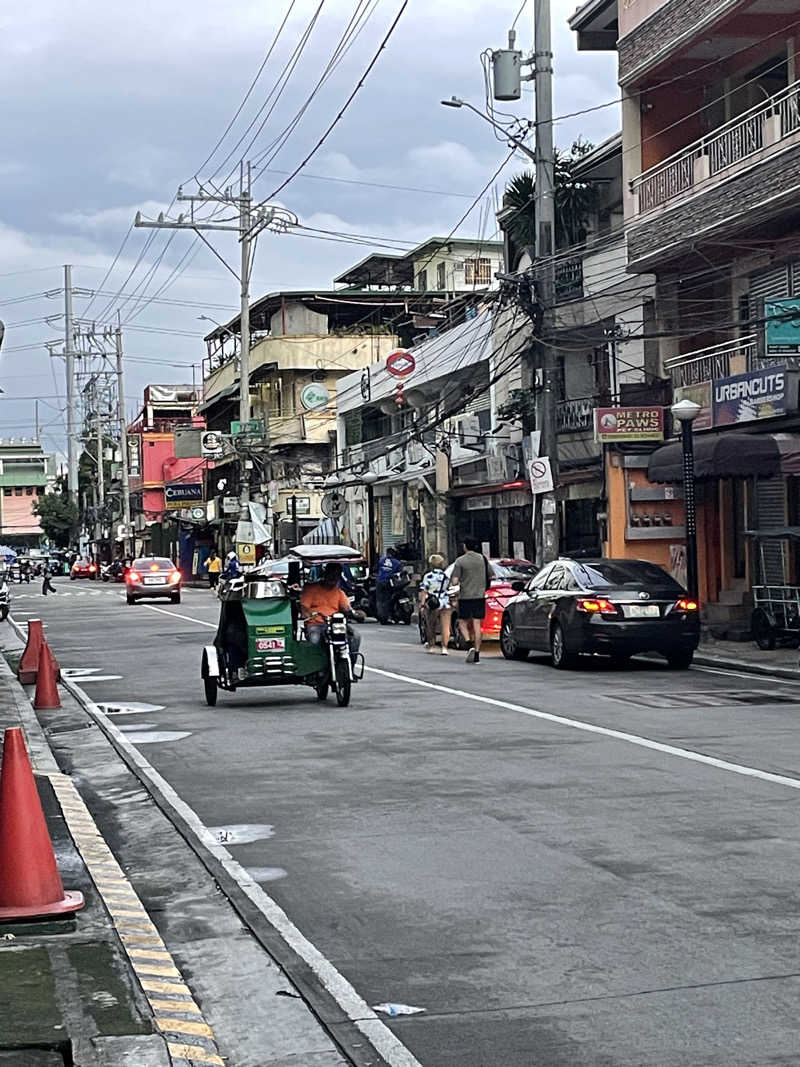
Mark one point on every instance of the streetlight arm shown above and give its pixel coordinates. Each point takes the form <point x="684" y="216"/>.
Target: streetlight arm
<point x="455" y="102"/>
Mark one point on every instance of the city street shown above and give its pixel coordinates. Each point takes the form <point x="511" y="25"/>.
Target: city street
<point x="588" y="868"/>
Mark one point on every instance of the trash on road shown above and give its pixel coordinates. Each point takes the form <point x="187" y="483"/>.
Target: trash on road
<point x="397" y="1009"/>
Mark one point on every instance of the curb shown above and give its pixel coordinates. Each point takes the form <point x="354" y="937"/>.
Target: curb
<point x="725" y="663"/>
<point x="348" y="1020"/>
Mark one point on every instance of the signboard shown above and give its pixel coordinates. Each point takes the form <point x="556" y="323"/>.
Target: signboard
<point x="366" y="384"/>
<point x="198" y="514"/>
<point x="230" y="505"/>
<point x="254" y="427"/>
<point x="629" y="424"/>
<point x="188" y="443"/>
<point x="759" y="394"/>
<point x="302" y="505"/>
<point x="782" y="332"/>
<point x="541" y="475"/>
<point x="211" y="443"/>
<point x="400" y="363"/>
<point x="479" y="503"/>
<point x="315" y="395"/>
<point x="245" y="552"/>
<point x="333" y="505"/>
<point x="180" y="494"/>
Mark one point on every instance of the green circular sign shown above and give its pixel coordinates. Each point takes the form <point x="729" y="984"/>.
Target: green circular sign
<point x="315" y="395"/>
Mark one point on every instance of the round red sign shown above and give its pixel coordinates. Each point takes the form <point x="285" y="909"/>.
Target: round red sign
<point x="400" y="363"/>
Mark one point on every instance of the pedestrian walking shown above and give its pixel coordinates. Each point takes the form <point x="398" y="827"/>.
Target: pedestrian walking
<point x="214" y="567"/>
<point x="435" y="601"/>
<point x="472" y="574"/>
<point x="388" y="566"/>
<point x="47" y="584"/>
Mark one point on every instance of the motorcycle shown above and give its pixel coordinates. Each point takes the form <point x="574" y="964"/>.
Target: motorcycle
<point x="401" y="608"/>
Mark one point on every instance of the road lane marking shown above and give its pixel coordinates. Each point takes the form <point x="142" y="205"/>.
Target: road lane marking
<point x="393" y="1052"/>
<point x="578" y="724"/>
<point x="150" y="965"/>
<point x="602" y="731"/>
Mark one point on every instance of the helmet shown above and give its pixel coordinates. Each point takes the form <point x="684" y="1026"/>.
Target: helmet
<point x="231" y="555"/>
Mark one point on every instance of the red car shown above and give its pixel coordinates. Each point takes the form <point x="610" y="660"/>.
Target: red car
<point x="499" y="593"/>
<point x="83" y="568"/>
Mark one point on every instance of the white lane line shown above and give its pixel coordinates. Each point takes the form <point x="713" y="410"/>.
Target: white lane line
<point x="603" y="731"/>
<point x="389" y="1047"/>
<point x="575" y="724"/>
<point x="177" y="615"/>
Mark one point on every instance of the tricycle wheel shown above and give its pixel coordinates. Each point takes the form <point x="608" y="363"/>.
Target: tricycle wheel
<point x="210" y="686"/>
<point x="342" y="683"/>
<point x="322" y="691"/>
<point x="763" y="631"/>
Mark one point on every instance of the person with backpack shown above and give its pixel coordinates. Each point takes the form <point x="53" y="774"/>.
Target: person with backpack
<point x="434" y="600"/>
<point x="472" y="574"/>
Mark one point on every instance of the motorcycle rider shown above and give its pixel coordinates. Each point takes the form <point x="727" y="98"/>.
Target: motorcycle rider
<point x="319" y="600"/>
<point x="232" y="568"/>
<point x="388" y="566"/>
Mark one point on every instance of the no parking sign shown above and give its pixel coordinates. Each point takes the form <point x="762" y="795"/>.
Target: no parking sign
<point x="541" y="475"/>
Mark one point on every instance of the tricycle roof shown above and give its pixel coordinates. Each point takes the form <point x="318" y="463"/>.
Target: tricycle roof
<point x="325" y="553"/>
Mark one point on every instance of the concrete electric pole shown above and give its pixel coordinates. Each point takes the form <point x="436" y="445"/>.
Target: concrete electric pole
<point x="545" y="211"/>
<point x="123" y="441"/>
<point x="69" y="357"/>
<point x="252" y="220"/>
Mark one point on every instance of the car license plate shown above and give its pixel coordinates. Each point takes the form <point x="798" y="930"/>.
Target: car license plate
<point x="155" y="581"/>
<point x="270" y="644"/>
<point x="642" y="611"/>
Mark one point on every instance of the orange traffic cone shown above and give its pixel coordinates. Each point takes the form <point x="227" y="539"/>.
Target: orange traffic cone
<point x="28" y="665"/>
<point x="46" y="695"/>
<point x="30" y="885"/>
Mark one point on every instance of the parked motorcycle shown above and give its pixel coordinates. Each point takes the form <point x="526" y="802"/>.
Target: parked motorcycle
<point x="401" y="607"/>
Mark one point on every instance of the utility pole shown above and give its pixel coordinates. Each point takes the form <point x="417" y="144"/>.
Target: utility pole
<point x="549" y="534"/>
<point x="101" y="489"/>
<point x="250" y="223"/>
<point x="69" y="357"/>
<point x="123" y="440"/>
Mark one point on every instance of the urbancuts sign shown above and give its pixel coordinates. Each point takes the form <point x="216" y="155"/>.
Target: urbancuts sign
<point x="629" y="424"/>
<point x="760" y="394"/>
<point x="182" y="494"/>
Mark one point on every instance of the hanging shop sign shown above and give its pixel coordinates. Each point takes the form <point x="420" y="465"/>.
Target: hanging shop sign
<point x="315" y="395"/>
<point x="245" y="552"/>
<point x="182" y="494"/>
<point x="400" y="363"/>
<point x="479" y="503"/>
<point x="782" y="326"/>
<point x="629" y="424"/>
<point x="759" y="394"/>
<point x="230" y="505"/>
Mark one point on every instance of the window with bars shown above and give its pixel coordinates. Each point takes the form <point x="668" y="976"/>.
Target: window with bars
<point x="422" y="281"/>
<point x="478" y="271"/>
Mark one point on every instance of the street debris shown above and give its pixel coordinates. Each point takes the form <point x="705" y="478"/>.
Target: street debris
<point x="397" y="1009"/>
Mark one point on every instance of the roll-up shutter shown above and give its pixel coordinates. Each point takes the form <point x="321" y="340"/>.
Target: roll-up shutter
<point x="771" y="512"/>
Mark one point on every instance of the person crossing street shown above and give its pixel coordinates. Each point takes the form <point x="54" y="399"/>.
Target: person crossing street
<point x="472" y="574"/>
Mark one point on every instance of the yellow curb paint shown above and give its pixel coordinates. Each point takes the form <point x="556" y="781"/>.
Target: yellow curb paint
<point x="184" y="1026"/>
<point x="150" y="954"/>
<point x="164" y="987"/>
<point x="187" y="1007"/>
<point x="166" y="970"/>
<point x="194" y="1053"/>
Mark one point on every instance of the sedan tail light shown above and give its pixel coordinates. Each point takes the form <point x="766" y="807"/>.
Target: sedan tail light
<point x="175" y="576"/>
<point x="596" y="606"/>
<point x="133" y="576"/>
<point x="685" y="604"/>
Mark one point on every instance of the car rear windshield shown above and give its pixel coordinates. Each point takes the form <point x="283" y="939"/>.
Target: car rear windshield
<point x="513" y="570"/>
<point x="148" y="564"/>
<point x="626" y="574"/>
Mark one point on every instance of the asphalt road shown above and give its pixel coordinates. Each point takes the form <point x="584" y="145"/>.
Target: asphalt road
<point x="563" y="869"/>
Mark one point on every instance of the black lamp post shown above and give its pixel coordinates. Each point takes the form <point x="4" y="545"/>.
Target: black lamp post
<point x="369" y="478"/>
<point x="686" y="411"/>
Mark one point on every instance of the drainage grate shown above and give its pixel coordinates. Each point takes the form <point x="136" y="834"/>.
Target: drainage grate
<point x="708" y="699"/>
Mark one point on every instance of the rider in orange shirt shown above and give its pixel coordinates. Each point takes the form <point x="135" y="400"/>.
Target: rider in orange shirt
<point x="321" y="599"/>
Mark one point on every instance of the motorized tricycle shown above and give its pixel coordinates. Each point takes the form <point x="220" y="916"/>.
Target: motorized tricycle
<point x="261" y="638"/>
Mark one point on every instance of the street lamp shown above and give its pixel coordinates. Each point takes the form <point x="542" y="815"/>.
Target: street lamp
<point x="454" y="101"/>
<point x="686" y="411"/>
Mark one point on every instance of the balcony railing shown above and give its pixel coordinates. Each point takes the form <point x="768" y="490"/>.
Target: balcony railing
<point x="716" y="361"/>
<point x="576" y="416"/>
<point x="569" y="278"/>
<point x="764" y="125"/>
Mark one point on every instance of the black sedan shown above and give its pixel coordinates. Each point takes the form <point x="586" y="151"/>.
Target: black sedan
<point x="615" y="607"/>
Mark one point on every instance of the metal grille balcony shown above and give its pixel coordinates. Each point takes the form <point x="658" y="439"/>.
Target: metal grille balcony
<point x="576" y="416"/>
<point x="705" y="364"/>
<point x="766" y="124"/>
<point x="569" y="278"/>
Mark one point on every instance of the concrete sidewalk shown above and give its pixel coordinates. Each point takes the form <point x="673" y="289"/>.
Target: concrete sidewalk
<point x="747" y="656"/>
<point x="67" y="992"/>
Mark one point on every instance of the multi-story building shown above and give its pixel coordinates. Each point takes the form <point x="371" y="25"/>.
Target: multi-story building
<point x="27" y="472"/>
<point x="711" y="166"/>
<point x="303" y="343"/>
<point x="167" y="493"/>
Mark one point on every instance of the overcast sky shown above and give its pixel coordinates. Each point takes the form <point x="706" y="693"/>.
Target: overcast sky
<point x="109" y="106"/>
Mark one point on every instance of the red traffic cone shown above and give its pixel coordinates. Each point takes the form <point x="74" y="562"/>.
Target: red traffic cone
<point x="46" y="695"/>
<point x="28" y="665"/>
<point x="30" y="885"/>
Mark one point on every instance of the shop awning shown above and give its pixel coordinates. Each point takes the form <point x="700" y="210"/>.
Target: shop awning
<point x="719" y="455"/>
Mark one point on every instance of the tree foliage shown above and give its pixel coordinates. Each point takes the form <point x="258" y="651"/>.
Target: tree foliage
<point x="574" y="201"/>
<point x="57" y="515"/>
